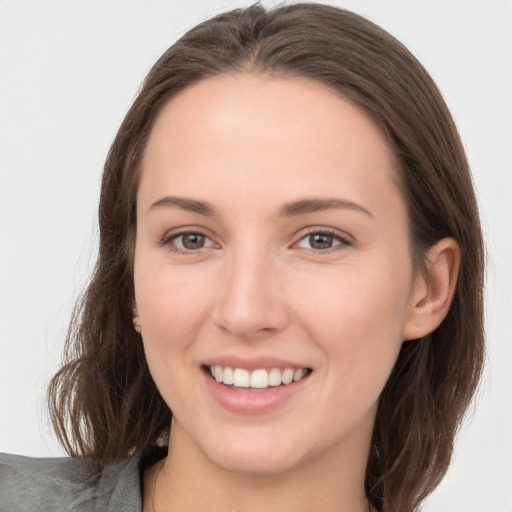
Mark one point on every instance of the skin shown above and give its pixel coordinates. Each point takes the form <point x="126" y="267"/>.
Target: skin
<point x="247" y="145"/>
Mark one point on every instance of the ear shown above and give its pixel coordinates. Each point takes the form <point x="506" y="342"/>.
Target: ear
<point x="433" y="291"/>
<point x="136" y="317"/>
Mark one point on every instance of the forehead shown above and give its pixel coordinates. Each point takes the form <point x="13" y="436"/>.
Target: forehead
<point x="256" y="133"/>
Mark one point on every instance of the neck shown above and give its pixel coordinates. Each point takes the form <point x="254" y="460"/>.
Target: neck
<point x="190" y="481"/>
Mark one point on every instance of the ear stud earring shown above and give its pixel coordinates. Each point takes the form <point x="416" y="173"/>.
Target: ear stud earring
<point x="136" y="323"/>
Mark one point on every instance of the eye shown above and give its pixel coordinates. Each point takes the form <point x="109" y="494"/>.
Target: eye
<point x="187" y="242"/>
<point x="322" y="241"/>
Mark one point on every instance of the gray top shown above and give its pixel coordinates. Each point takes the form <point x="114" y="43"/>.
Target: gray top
<point x="72" y="484"/>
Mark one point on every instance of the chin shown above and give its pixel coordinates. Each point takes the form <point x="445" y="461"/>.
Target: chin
<point x="255" y="457"/>
<point x="256" y="463"/>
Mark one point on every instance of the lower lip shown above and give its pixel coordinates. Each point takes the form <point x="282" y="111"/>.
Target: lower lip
<point x="250" y="401"/>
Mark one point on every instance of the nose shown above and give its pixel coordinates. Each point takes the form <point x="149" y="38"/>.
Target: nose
<point x="251" y="301"/>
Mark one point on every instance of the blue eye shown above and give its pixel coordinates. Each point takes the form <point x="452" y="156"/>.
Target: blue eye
<point x="190" y="241"/>
<point x="322" y="241"/>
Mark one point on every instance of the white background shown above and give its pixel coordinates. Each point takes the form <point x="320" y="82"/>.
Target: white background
<point x="68" y="72"/>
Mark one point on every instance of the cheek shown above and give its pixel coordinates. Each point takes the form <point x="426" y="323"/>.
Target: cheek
<point x="356" y="316"/>
<point x="172" y="307"/>
<point x="169" y="300"/>
<point x="359" y="298"/>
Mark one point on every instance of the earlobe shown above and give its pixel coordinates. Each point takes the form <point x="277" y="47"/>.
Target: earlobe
<point x="433" y="290"/>
<point x="136" y="317"/>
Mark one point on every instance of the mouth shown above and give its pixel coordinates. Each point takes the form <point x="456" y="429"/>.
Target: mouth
<point x="242" y="379"/>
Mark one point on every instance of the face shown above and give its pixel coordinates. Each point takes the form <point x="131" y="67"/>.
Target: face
<point x="272" y="244"/>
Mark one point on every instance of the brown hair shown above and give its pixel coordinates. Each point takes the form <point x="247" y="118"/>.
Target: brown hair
<point x="103" y="401"/>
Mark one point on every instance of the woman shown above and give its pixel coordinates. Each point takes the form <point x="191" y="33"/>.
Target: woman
<point x="291" y="262"/>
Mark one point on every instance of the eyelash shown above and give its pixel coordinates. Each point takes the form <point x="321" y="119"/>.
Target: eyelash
<point x="167" y="241"/>
<point x="343" y="239"/>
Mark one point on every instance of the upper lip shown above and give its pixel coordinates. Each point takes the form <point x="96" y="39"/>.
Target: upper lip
<point x="255" y="363"/>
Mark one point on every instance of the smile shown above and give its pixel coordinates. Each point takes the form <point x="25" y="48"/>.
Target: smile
<point x="257" y="379"/>
<point x="257" y="387"/>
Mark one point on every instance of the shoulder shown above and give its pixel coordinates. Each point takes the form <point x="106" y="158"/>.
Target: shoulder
<point x="65" y="484"/>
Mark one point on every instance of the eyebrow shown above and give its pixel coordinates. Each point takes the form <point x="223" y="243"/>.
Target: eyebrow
<point x="315" y="205"/>
<point x="191" y="205"/>
<point x="300" y="207"/>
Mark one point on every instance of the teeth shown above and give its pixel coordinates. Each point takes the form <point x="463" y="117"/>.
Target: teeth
<point x="287" y="376"/>
<point x="217" y="373"/>
<point x="241" y="377"/>
<point x="227" y="376"/>
<point x="299" y="374"/>
<point x="274" y="377"/>
<point x="257" y="379"/>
